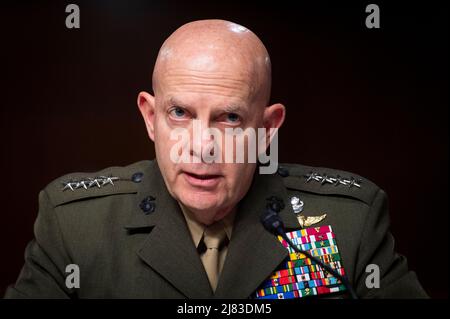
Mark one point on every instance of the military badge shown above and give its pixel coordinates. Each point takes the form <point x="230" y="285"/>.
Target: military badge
<point x="89" y="182"/>
<point x="298" y="276"/>
<point x="308" y="221"/>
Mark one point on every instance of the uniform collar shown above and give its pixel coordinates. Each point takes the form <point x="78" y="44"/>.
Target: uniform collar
<point x="168" y="247"/>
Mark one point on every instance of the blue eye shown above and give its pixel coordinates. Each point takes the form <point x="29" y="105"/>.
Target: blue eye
<point x="232" y="117"/>
<point x="178" y="112"/>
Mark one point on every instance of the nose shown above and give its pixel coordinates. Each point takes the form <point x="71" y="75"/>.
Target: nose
<point x="204" y="142"/>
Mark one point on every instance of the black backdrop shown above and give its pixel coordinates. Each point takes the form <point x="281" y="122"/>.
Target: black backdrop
<point x="374" y="102"/>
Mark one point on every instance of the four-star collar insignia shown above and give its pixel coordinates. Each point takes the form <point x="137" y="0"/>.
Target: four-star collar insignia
<point x="335" y="180"/>
<point x="89" y="182"/>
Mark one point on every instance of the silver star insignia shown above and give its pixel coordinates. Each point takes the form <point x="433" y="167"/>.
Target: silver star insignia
<point x="83" y="184"/>
<point x="108" y="180"/>
<point x="67" y="185"/>
<point x="92" y="182"/>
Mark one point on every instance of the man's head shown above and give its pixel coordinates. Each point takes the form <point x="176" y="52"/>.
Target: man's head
<point x="217" y="72"/>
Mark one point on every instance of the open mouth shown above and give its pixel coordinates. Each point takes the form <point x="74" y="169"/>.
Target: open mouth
<point x="202" y="180"/>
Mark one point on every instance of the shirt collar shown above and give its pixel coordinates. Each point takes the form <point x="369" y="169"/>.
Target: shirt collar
<point x="197" y="229"/>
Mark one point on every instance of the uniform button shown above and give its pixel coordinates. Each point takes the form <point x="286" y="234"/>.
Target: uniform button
<point x="276" y="206"/>
<point x="275" y="203"/>
<point x="149" y="208"/>
<point x="147" y="205"/>
<point x="137" y="177"/>
<point x="283" y="172"/>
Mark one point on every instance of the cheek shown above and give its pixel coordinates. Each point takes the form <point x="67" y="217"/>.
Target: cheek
<point x="161" y="127"/>
<point x="163" y="143"/>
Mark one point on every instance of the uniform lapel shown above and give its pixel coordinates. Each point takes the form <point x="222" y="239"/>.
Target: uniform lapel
<point x="253" y="252"/>
<point x="168" y="249"/>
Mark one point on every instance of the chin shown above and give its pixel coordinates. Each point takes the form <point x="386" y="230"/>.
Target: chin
<point x="201" y="202"/>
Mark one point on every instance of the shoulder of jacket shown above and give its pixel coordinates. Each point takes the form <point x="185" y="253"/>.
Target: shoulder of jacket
<point x="106" y="182"/>
<point x="328" y="181"/>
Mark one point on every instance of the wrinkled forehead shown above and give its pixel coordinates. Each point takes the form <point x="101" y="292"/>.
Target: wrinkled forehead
<point x="222" y="73"/>
<point x="209" y="74"/>
<point x="231" y="62"/>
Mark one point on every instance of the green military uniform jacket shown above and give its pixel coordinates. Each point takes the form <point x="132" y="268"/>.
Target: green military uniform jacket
<point x="130" y="239"/>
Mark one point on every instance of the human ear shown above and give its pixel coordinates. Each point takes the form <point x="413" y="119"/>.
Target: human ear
<point x="146" y="104"/>
<point x="273" y="118"/>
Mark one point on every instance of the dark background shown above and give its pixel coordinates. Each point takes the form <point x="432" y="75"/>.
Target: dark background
<point x="374" y="102"/>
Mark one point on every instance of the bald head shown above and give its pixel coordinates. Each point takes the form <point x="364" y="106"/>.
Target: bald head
<point x="217" y="47"/>
<point x="216" y="73"/>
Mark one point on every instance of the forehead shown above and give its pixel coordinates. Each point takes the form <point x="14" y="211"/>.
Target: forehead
<point x="220" y="84"/>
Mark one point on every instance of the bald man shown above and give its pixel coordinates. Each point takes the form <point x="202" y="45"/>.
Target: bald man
<point x="188" y="223"/>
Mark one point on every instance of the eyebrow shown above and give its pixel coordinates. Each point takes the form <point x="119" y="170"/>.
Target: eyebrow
<point x="174" y="101"/>
<point x="230" y="108"/>
<point x="235" y="108"/>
